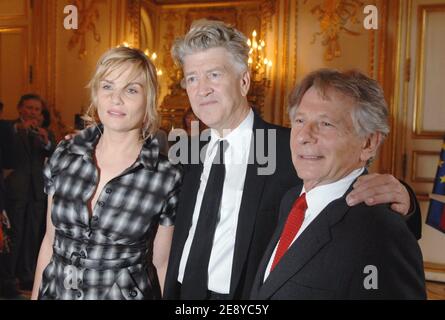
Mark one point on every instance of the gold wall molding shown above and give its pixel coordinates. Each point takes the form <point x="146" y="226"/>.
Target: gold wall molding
<point x="436" y="287"/>
<point x="228" y="15"/>
<point x="415" y="177"/>
<point x="8" y="18"/>
<point x="371" y="53"/>
<point x="401" y="95"/>
<point x="436" y="267"/>
<point x="168" y="39"/>
<point x="334" y="17"/>
<point x="273" y="92"/>
<point x="206" y="5"/>
<point x="422" y="197"/>
<point x="268" y="9"/>
<point x="418" y="130"/>
<point x="88" y="13"/>
<point x="284" y="63"/>
<point x="173" y="20"/>
<point x="133" y="22"/>
<point x="23" y="33"/>
<point x="294" y="78"/>
<point x="386" y="69"/>
<point x="378" y="71"/>
<point x="44" y="34"/>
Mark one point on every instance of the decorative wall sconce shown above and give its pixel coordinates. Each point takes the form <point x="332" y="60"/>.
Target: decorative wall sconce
<point x="152" y="56"/>
<point x="260" y="69"/>
<point x="259" y="64"/>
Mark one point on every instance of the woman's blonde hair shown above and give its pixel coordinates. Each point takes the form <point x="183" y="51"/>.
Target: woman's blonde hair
<point x="115" y="58"/>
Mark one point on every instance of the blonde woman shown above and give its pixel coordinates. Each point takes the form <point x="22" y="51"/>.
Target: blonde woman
<point x="112" y="195"/>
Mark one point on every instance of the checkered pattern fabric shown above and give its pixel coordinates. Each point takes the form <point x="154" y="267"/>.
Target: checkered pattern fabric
<point x="106" y="255"/>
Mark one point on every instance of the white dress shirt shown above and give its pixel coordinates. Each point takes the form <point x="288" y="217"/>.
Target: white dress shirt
<point x="317" y="199"/>
<point x="235" y="158"/>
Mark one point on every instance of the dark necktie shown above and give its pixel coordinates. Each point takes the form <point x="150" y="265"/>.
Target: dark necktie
<point x="194" y="284"/>
<point x="291" y="228"/>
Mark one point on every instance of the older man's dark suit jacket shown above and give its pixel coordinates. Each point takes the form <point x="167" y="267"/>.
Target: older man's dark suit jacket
<point x="258" y="214"/>
<point x="328" y="259"/>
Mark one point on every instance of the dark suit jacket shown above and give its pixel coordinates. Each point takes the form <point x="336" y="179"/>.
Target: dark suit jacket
<point x="2" y="186"/>
<point x="258" y="214"/>
<point x="328" y="259"/>
<point x="25" y="155"/>
<point x="5" y="140"/>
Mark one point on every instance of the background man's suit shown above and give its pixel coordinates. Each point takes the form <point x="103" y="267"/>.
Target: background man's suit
<point x="257" y="215"/>
<point x="327" y="261"/>
<point x="2" y="185"/>
<point x="25" y="200"/>
<point x="5" y="140"/>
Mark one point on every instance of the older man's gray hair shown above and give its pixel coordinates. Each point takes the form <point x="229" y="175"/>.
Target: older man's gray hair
<point x="206" y="34"/>
<point x="370" y="114"/>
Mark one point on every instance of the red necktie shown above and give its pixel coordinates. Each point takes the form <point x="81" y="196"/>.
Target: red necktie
<point x="293" y="224"/>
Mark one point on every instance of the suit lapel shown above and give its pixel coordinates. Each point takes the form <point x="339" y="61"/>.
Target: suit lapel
<point x="252" y="191"/>
<point x="285" y="207"/>
<point x="309" y="243"/>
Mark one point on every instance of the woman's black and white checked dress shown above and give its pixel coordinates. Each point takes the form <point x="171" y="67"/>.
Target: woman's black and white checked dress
<point x="107" y="255"/>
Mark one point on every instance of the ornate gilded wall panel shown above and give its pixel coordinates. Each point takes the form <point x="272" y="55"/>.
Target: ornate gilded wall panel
<point x="175" y="20"/>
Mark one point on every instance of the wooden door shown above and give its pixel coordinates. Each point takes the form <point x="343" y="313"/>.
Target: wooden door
<point x="422" y="113"/>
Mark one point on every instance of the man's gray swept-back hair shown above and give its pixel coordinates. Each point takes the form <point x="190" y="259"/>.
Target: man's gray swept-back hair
<point x="370" y="114"/>
<point x="206" y="34"/>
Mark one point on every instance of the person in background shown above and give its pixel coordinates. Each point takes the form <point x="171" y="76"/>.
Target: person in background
<point x="4" y="220"/>
<point x="24" y="154"/>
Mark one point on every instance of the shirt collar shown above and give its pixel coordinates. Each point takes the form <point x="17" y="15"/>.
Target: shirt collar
<point x="236" y="135"/>
<point x="84" y="142"/>
<point x="319" y="197"/>
<point x="149" y="155"/>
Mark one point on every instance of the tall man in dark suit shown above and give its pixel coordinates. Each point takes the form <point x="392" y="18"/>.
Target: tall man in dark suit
<point x="228" y="205"/>
<point x="24" y="155"/>
<point x="322" y="248"/>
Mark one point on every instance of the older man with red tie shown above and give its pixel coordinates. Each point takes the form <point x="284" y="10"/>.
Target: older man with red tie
<point x="322" y="248"/>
